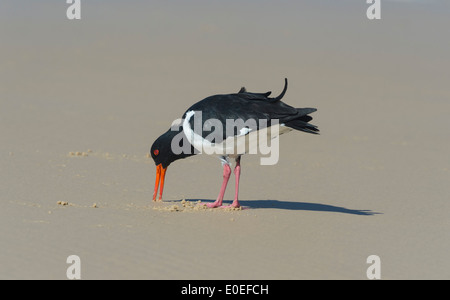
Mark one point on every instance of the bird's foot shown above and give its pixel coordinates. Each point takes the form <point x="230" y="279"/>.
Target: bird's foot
<point x="235" y="204"/>
<point x="216" y="204"/>
<point x="213" y="205"/>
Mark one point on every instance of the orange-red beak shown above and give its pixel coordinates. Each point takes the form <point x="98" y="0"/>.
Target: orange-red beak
<point x="160" y="174"/>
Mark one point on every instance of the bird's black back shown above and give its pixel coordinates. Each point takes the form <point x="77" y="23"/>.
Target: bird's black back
<point x="245" y="106"/>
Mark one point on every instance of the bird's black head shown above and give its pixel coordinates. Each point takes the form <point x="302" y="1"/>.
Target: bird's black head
<point x="161" y="150"/>
<point x="167" y="149"/>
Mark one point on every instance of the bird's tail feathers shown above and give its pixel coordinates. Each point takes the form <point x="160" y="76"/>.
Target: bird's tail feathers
<point x="301" y="122"/>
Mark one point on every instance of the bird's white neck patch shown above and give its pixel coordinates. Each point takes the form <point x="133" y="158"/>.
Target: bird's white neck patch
<point x="194" y="139"/>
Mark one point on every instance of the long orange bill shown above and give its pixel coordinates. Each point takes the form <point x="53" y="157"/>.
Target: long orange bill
<point x="160" y="175"/>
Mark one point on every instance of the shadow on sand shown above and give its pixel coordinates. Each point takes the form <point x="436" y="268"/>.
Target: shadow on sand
<point x="289" y="205"/>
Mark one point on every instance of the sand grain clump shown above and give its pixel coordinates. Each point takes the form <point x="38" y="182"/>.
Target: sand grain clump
<point x="79" y="153"/>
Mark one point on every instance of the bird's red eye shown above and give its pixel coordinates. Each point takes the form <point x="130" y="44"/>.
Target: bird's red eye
<point x="156" y="152"/>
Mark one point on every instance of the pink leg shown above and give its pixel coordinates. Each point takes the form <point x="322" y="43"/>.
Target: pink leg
<point x="226" y="176"/>
<point x="237" y="174"/>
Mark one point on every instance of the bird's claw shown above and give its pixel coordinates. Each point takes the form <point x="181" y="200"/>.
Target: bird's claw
<point x="217" y="205"/>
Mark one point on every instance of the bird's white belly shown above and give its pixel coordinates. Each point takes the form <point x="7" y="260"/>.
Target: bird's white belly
<point x="246" y="142"/>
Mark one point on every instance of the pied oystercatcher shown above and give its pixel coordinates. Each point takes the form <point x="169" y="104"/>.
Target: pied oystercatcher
<point x="244" y="106"/>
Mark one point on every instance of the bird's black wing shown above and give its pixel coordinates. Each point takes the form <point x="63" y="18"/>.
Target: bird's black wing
<point x="253" y="111"/>
<point x="262" y="96"/>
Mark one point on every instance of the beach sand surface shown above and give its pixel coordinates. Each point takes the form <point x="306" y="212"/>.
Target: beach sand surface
<point x="81" y="102"/>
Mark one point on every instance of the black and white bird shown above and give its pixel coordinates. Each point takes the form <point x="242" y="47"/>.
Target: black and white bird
<point x="249" y="114"/>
